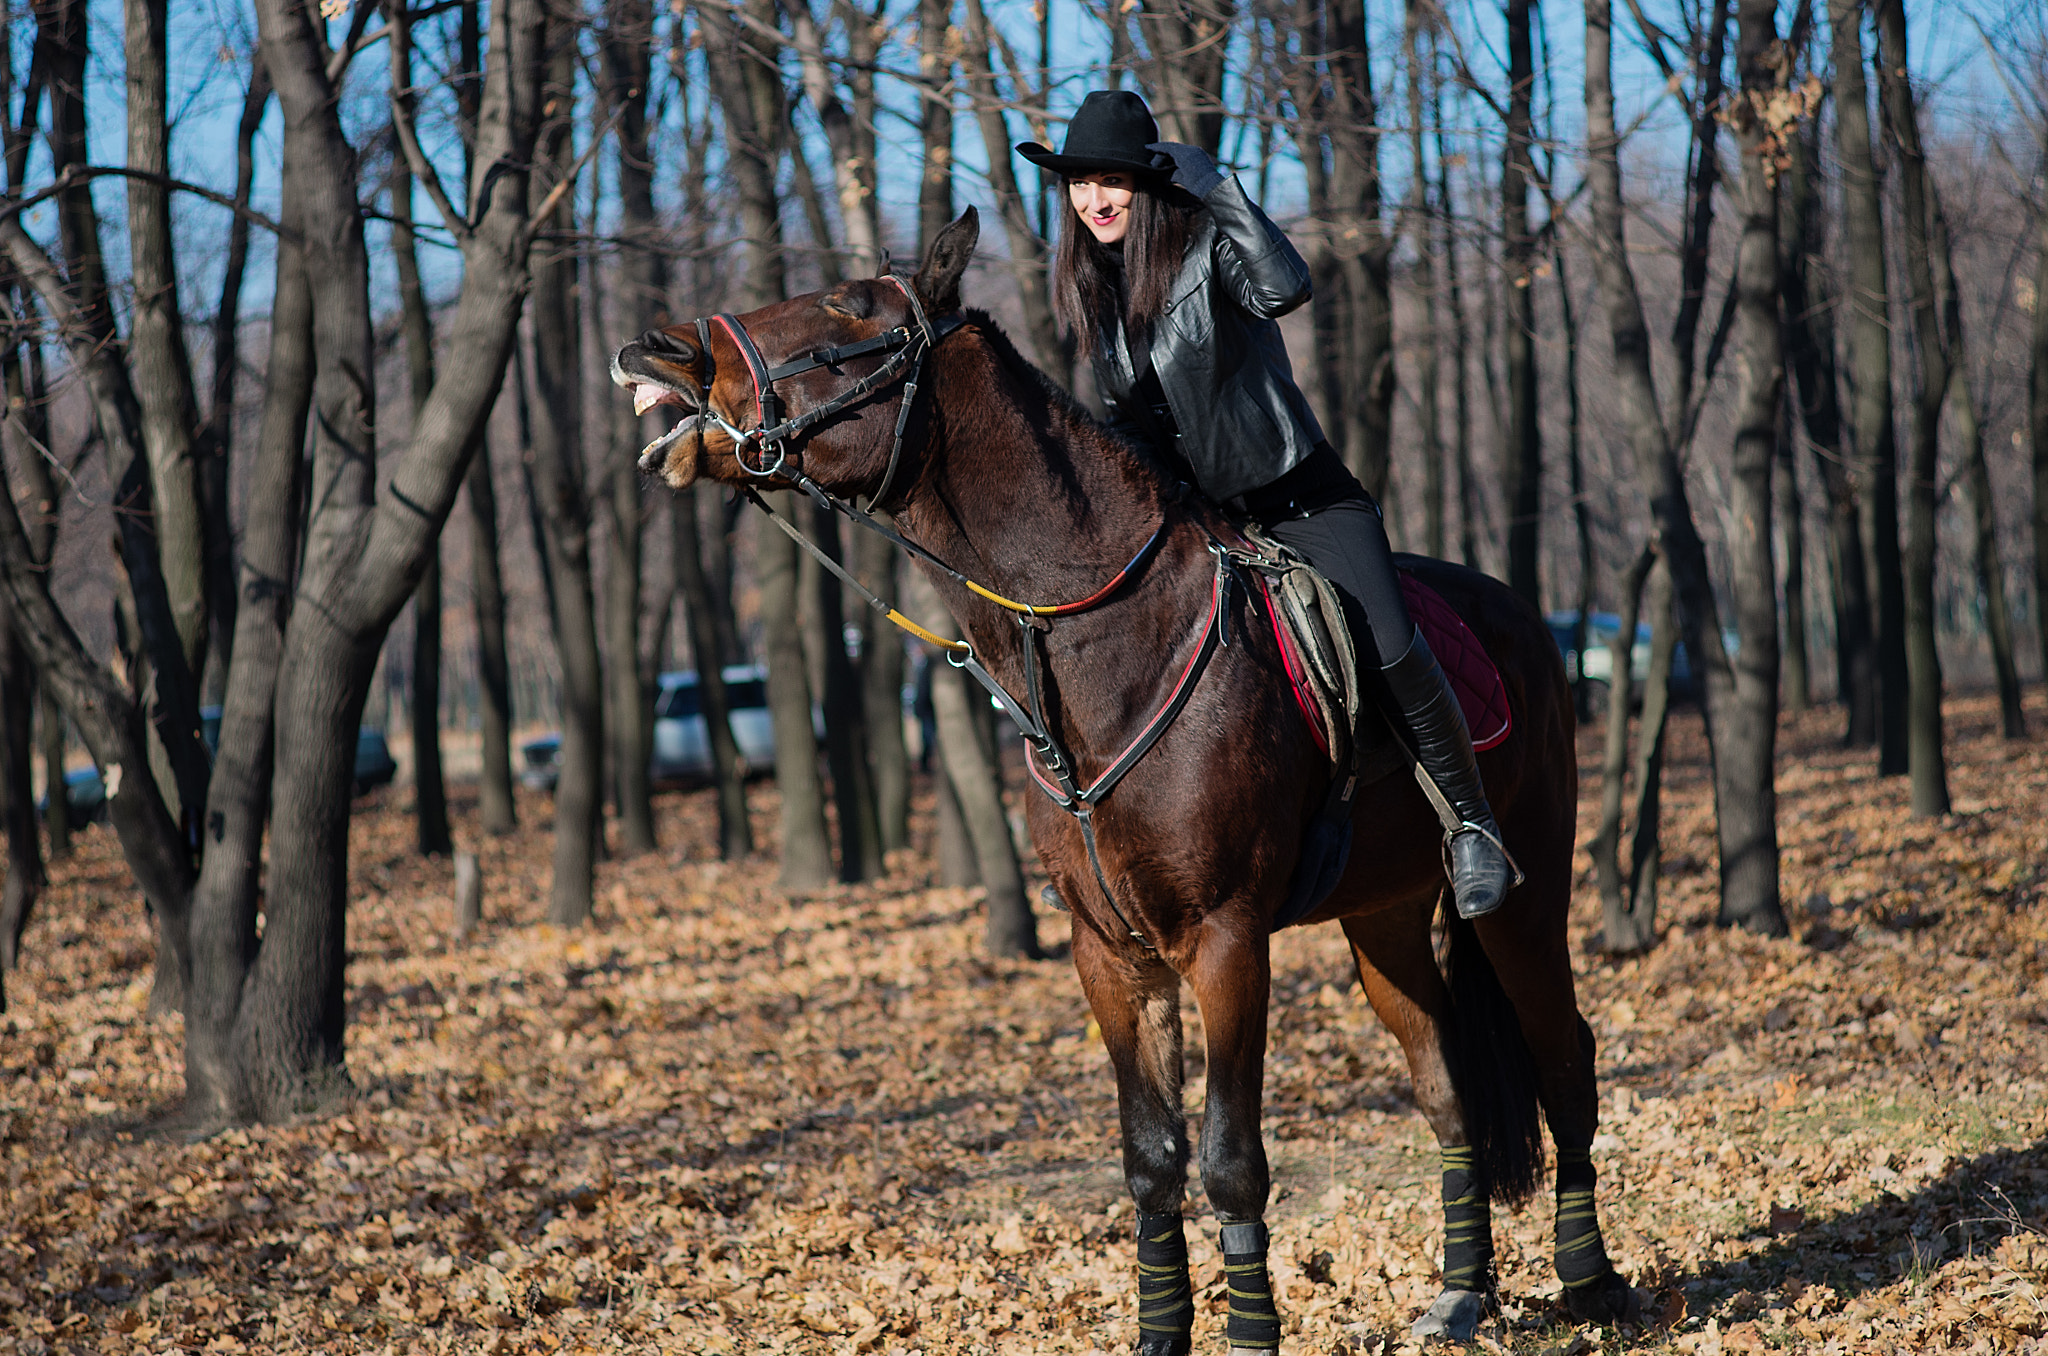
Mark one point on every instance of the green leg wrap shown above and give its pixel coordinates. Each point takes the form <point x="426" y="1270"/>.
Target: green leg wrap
<point x="1254" y="1321"/>
<point x="1468" y="1223"/>
<point x="1166" y="1302"/>
<point x="1581" y="1254"/>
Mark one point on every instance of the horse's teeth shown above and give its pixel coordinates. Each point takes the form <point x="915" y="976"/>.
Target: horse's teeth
<point x="646" y="397"/>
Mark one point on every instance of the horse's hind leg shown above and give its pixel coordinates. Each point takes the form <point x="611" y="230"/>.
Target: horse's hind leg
<point x="1407" y="991"/>
<point x="1528" y="950"/>
<point x="1138" y="1009"/>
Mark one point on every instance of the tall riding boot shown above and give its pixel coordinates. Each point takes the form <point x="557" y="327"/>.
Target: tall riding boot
<point x="1481" y="873"/>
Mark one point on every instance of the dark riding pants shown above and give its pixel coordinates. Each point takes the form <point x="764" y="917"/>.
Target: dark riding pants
<point x="1347" y="542"/>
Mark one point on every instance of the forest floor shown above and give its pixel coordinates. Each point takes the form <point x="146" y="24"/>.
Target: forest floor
<point x="720" y="1120"/>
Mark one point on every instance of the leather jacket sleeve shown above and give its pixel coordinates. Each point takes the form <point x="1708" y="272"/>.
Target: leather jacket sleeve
<point x="1263" y="272"/>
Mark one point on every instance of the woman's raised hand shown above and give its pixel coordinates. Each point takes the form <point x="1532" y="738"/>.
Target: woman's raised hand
<point x="1193" y="169"/>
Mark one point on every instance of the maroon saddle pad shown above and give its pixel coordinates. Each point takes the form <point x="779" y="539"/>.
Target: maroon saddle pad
<point x="1465" y="663"/>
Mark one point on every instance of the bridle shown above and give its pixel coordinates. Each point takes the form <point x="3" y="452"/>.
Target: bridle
<point x="908" y="346"/>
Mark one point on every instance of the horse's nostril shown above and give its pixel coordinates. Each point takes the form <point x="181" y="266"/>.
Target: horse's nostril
<point x="661" y="341"/>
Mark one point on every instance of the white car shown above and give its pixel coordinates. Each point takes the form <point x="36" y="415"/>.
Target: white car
<point x="682" y="744"/>
<point x="682" y="741"/>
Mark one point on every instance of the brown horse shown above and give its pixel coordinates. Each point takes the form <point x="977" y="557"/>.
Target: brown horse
<point x="997" y="473"/>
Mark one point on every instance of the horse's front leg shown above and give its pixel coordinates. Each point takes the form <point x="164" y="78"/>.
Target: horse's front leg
<point x="1137" y="1005"/>
<point x="1232" y="977"/>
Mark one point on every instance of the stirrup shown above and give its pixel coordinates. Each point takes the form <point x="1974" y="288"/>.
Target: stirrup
<point x="1467" y="826"/>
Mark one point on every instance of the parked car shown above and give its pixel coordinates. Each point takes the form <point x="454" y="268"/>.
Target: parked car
<point x="84" y="793"/>
<point x="1596" y="665"/>
<point x="374" y="764"/>
<point x="682" y="740"/>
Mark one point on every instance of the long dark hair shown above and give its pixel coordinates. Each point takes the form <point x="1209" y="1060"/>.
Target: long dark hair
<point x="1083" y="286"/>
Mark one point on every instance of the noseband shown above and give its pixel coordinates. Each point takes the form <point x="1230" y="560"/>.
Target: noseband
<point x="907" y="347"/>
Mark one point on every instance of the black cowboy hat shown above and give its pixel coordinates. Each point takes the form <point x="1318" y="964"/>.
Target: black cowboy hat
<point x="1109" y="131"/>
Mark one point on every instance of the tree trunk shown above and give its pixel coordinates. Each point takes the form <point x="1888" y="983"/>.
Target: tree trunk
<point x="216" y="436"/>
<point x="877" y="565"/>
<point x="735" y="832"/>
<point x="1792" y="533"/>
<point x="565" y="514"/>
<point x="843" y="701"/>
<point x="935" y="120"/>
<point x="750" y="93"/>
<point x="1745" y="743"/>
<point x="156" y="340"/>
<point x="23" y="879"/>
<point x="1808" y="311"/>
<point x="497" y="810"/>
<point x="1363" y="248"/>
<point x="2037" y="427"/>
<point x="1028" y="257"/>
<point x="79" y="304"/>
<point x="1461" y="363"/>
<point x="229" y="894"/>
<point x="1925" y="758"/>
<point x="28" y="416"/>
<point x="806" y="849"/>
<point x="1186" y="41"/>
<point x="1702" y="179"/>
<point x="1868" y="351"/>
<point x="976" y="779"/>
<point x="1422" y="234"/>
<point x="430" y="792"/>
<point x="1628" y="903"/>
<point x="642" y="303"/>
<point x="1522" y="449"/>
<point x="1977" y="480"/>
<point x="1749" y="875"/>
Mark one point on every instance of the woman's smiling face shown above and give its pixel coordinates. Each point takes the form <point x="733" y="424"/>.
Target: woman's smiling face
<point x="1104" y="202"/>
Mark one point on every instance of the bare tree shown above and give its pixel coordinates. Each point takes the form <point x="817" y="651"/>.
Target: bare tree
<point x="642" y="301"/>
<point x="430" y="792"/>
<point x="1749" y="890"/>
<point x="1522" y="448"/>
<point x="1807" y="304"/>
<point x="749" y="91"/>
<point x="1925" y="757"/>
<point x="563" y="502"/>
<point x="1868" y="352"/>
<point x="1028" y="255"/>
<point x="1746" y="727"/>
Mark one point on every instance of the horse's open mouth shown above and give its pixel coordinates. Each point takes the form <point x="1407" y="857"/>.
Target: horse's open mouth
<point x="639" y="371"/>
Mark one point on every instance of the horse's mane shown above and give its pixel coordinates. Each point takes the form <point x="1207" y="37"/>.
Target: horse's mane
<point x="1071" y="410"/>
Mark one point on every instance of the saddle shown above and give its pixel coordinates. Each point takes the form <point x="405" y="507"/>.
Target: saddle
<point x="1320" y="655"/>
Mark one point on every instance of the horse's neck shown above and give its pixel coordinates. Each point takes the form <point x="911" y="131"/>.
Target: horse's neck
<point x="1028" y="498"/>
<point x="1041" y="506"/>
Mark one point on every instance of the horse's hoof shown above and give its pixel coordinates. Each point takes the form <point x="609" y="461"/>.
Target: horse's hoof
<point x="1453" y="1318"/>
<point x="1158" y="1344"/>
<point x="1610" y="1299"/>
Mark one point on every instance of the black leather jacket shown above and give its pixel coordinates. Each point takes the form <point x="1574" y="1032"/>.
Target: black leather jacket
<point x="1241" y="422"/>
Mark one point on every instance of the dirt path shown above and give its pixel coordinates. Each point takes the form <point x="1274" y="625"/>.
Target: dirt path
<point x="723" y="1121"/>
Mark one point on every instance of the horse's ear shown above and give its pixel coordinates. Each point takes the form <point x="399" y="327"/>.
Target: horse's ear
<point x="938" y="279"/>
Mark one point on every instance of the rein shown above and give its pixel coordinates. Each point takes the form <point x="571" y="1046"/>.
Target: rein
<point x="908" y="349"/>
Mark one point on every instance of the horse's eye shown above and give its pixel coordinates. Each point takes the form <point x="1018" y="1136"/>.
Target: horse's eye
<point x="849" y="301"/>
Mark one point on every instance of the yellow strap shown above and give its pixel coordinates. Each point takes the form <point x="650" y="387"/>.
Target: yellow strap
<point x="956" y="646"/>
<point x="1000" y="601"/>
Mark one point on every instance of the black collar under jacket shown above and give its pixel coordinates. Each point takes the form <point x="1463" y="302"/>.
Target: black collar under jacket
<point x="1241" y="422"/>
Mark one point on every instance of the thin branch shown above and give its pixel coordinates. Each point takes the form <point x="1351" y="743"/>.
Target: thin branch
<point x="555" y="194"/>
<point x="75" y="174"/>
<point x="423" y="172"/>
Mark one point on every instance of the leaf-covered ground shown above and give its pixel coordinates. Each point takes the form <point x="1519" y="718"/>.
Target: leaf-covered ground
<point x="724" y="1121"/>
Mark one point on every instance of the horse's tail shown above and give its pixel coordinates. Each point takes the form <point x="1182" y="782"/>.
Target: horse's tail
<point x="1492" y="1068"/>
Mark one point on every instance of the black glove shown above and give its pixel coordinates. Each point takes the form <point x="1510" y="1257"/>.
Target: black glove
<point x="1193" y="170"/>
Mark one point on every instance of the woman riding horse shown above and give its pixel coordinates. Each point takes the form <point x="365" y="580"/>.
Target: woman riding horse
<point x="1172" y="283"/>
